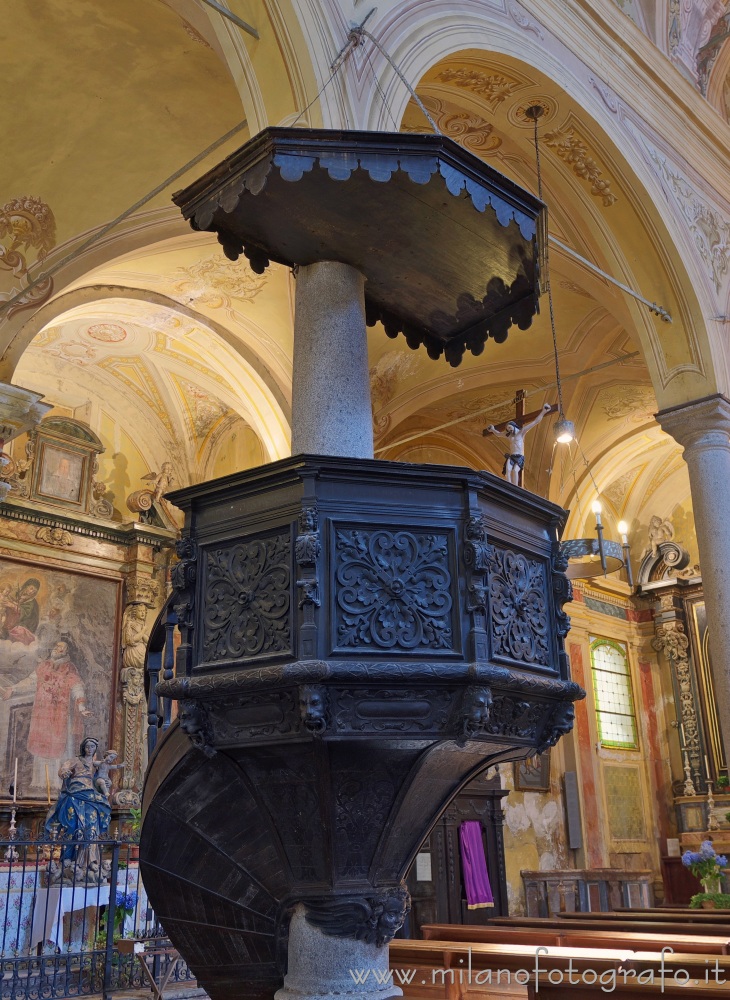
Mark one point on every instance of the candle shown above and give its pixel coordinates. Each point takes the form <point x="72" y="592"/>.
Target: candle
<point x="707" y="767"/>
<point x="684" y="738"/>
<point x="48" y="786"/>
<point x="15" y="781"/>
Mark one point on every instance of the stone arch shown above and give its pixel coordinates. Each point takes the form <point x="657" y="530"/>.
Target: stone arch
<point x="266" y="406"/>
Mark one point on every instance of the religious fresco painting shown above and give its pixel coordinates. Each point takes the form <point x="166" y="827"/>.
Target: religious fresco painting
<point x="58" y="636"/>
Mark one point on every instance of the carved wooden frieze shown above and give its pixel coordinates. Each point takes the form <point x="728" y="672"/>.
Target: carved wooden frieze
<point x="516" y="717"/>
<point x="392" y="590"/>
<point x="396" y="710"/>
<point x="247" y="600"/>
<point x="519" y="619"/>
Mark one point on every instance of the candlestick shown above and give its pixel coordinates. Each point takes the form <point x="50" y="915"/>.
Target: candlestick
<point x="11" y="854"/>
<point x="15" y="782"/>
<point x="707" y="768"/>
<point x="712" y="823"/>
<point x="48" y="786"/>
<point x="689" y="788"/>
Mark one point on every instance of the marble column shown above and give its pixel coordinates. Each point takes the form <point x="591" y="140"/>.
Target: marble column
<point x="703" y="429"/>
<point x="331" y="413"/>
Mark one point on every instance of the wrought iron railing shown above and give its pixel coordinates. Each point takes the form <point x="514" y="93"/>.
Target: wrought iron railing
<point x="65" y="908"/>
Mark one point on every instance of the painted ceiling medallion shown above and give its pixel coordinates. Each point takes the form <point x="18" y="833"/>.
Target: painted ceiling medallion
<point x="107" y="333"/>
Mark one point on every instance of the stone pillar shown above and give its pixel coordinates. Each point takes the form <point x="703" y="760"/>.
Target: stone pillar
<point x="322" y="967"/>
<point x="331" y="413"/>
<point x="703" y="429"/>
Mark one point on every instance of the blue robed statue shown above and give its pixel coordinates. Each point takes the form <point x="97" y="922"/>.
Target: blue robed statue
<point x="81" y="814"/>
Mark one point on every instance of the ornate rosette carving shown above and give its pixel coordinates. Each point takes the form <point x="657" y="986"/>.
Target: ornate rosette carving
<point x="247" y="599"/>
<point x="393" y="590"/>
<point x="519" y="618"/>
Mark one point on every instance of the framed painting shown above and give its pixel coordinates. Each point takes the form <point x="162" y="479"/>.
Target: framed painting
<point x="533" y="774"/>
<point x="59" y="636"/>
<point x="62" y="474"/>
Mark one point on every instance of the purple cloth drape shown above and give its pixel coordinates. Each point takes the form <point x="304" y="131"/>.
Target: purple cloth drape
<point x="474" y="865"/>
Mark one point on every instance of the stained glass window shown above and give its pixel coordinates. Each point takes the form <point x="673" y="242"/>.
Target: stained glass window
<point x="613" y="696"/>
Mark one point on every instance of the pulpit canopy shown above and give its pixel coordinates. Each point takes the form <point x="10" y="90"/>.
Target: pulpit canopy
<point x="449" y="247"/>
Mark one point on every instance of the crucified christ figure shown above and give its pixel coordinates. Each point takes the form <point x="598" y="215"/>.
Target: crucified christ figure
<point x="514" y="459"/>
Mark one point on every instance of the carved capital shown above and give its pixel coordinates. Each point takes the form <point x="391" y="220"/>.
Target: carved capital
<point x="701" y="425"/>
<point x="372" y="919"/>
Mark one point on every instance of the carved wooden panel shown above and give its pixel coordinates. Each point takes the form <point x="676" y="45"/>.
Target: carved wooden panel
<point x="519" y="608"/>
<point x="247" y="599"/>
<point x="392" y="590"/>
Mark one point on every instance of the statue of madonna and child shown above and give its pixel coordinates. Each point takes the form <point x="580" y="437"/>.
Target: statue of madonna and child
<point x="81" y="816"/>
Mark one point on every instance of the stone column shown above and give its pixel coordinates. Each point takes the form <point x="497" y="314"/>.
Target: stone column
<point x="322" y="967"/>
<point x="703" y="429"/>
<point x="331" y="412"/>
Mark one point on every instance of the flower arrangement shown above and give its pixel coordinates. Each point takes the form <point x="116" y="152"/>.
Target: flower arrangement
<point x="126" y="905"/>
<point x="706" y="865"/>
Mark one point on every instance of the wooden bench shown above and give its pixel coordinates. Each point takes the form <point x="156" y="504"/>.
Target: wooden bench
<point x="667" y="916"/>
<point x="578" y="938"/>
<point x="450" y="970"/>
<point x="577" y="922"/>
<point x="154" y="948"/>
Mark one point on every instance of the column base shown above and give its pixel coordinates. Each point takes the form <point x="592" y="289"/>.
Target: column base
<point x="322" y="967"/>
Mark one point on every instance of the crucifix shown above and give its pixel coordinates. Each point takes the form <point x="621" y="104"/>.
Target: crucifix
<point x="514" y="431"/>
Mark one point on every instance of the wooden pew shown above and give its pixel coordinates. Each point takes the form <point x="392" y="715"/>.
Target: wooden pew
<point x="449" y="970"/>
<point x="666" y="916"/>
<point x="576" y="922"/>
<point x="567" y="937"/>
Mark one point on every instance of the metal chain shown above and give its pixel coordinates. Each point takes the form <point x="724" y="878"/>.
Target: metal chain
<point x="548" y="283"/>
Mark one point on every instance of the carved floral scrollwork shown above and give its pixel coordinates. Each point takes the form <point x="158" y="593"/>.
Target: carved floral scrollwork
<point x="515" y="717"/>
<point x="519" y="610"/>
<point x="247" y="599"/>
<point x="393" y="589"/>
<point x="671" y="640"/>
<point x="26" y="224"/>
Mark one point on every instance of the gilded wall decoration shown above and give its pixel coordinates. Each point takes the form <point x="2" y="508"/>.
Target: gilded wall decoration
<point x="385" y="374"/>
<point x="58" y="636"/>
<point x="493" y="88"/>
<point x="248" y="599"/>
<point x="570" y="286"/>
<point x="671" y="640"/>
<point x="710" y="230"/>
<point x="393" y="590"/>
<point x="214" y="281"/>
<point x="574" y="151"/>
<point x="470" y="130"/>
<point x="617" y="491"/>
<point x="205" y="410"/>
<point x="27" y="224"/>
<point x="54" y="535"/>
<point x="636" y="402"/>
<point x="519" y="609"/>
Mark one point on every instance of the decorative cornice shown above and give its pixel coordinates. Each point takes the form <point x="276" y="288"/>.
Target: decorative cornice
<point x="689" y="423"/>
<point x="126" y="534"/>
